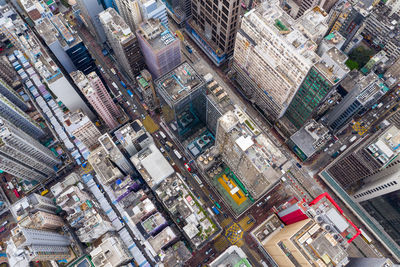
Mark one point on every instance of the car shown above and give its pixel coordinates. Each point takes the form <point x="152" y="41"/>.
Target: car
<point x="143" y="116"/>
<point x="298" y="165"/>
<point x="162" y="142"/>
<point x="2" y="229"/>
<point x="4" y="223"/>
<point x="225" y="215"/>
<point x="211" y="197"/>
<point x="4" y="179"/>
<point x="209" y="251"/>
<point x="168" y="158"/>
<point x="187" y="167"/>
<point x="250" y="221"/>
<point x="162" y="149"/>
<point x="206" y="260"/>
<point x="259" y="204"/>
<point x="167" y="148"/>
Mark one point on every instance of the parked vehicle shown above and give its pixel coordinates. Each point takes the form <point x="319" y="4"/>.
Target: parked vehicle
<point x="215" y="210"/>
<point x="162" y="135"/>
<point x="177" y="154"/>
<point x="353" y="139"/>
<point x="334" y="155"/>
<point x="342" y="148"/>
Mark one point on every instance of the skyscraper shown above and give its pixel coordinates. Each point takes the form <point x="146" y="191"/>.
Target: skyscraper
<point x="39" y="245"/>
<point x="213" y="27"/>
<point x="7" y="72"/>
<point x="30" y="159"/>
<point x="318" y="83"/>
<point x="273" y="55"/>
<point x="96" y="93"/>
<point x="90" y="10"/>
<point x="123" y="42"/>
<point x="10" y="94"/>
<point x="179" y="10"/>
<point x="161" y="49"/>
<point x="362" y="161"/>
<point x="66" y="45"/>
<point x="11" y="113"/>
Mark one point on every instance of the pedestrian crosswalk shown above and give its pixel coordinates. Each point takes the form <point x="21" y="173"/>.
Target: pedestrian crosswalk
<point x="221" y="243"/>
<point x="246" y="223"/>
<point x="226" y="222"/>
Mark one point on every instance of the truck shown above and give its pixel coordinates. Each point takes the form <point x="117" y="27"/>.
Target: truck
<point x="162" y="135"/>
<point x="115" y="85"/>
<point x="342" y="148"/>
<point x="177" y="154"/>
<point x="353" y="139"/>
<point x="215" y="210"/>
<point x="380" y="105"/>
<point x="129" y="93"/>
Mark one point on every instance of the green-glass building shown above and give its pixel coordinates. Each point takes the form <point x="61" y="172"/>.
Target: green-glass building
<point x="311" y="92"/>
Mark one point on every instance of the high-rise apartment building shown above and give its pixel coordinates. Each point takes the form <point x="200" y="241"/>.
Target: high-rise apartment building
<point x="133" y="137"/>
<point x="274" y="53"/>
<point x="11" y="26"/>
<point x="10" y="94"/>
<point x="161" y="49"/>
<point x="153" y="9"/>
<point x="11" y="113"/>
<point x="30" y="159"/>
<point x="66" y="45"/>
<point x="39" y="245"/>
<point x="82" y="128"/>
<point x="318" y="83"/>
<point x="123" y="41"/>
<point x="213" y="27"/>
<point x="90" y="10"/>
<point x="96" y="93"/>
<point x="363" y="161"/>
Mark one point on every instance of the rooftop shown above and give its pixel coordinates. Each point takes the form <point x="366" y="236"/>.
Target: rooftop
<point x="386" y="146"/>
<point x="232" y="256"/>
<point x="155" y="33"/>
<point x="55" y="28"/>
<point x="164" y="238"/>
<point x="270" y="17"/>
<point x="115" y="24"/>
<point x="332" y="65"/>
<point x="180" y="82"/>
<point x="311" y="137"/>
<point x="152" y="164"/>
<point x="104" y="168"/>
<point x="303" y="243"/>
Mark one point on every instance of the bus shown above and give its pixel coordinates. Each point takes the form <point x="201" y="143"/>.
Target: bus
<point x="129" y="93"/>
<point x="177" y="154"/>
<point x="217" y="204"/>
<point x="162" y="135"/>
<point x="215" y="210"/>
<point x="123" y="84"/>
<point x="365" y="236"/>
<point x="197" y="179"/>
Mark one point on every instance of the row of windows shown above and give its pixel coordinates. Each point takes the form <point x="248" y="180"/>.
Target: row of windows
<point x="379" y="188"/>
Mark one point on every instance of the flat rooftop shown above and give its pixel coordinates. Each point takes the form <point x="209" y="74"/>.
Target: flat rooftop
<point x="54" y="29"/>
<point x="180" y="82"/>
<point x="115" y="24"/>
<point x="332" y="65"/>
<point x="156" y="34"/>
